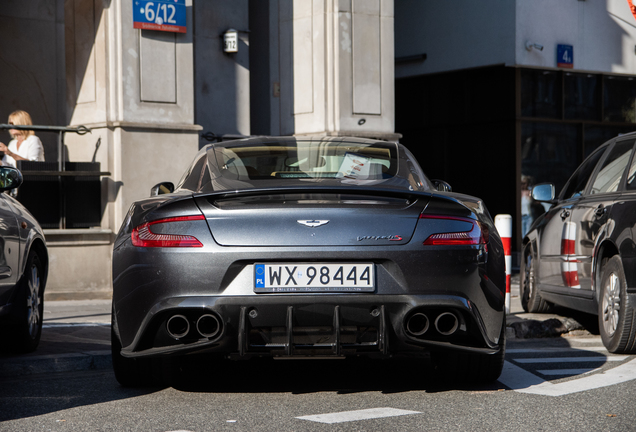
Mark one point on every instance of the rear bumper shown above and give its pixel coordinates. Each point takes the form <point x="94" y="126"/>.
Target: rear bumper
<point x="316" y="325"/>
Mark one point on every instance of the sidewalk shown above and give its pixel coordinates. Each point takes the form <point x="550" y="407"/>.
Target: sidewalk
<point x="76" y="335"/>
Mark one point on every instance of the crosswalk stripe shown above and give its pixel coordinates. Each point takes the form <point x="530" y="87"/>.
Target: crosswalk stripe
<point x="556" y="372"/>
<point x="522" y="381"/>
<point x="365" y="414"/>
<point x="571" y="359"/>
<point x="553" y="350"/>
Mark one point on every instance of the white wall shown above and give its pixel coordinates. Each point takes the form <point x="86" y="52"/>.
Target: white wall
<point x="454" y="34"/>
<point x="602" y="32"/>
<point x="459" y="35"/>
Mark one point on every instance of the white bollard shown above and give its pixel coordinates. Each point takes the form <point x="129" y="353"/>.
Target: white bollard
<point x="503" y="223"/>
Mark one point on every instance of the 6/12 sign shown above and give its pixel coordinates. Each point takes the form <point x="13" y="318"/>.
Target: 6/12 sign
<point x="162" y="15"/>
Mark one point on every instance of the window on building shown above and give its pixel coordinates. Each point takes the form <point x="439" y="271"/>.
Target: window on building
<point x="540" y="93"/>
<point x="548" y="152"/>
<point x="619" y="97"/>
<point x="581" y="96"/>
<point x="595" y="135"/>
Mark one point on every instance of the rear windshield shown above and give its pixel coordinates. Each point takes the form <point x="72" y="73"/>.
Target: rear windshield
<point x="252" y="164"/>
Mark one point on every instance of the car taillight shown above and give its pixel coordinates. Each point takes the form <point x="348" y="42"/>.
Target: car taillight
<point x="477" y="235"/>
<point x="142" y="236"/>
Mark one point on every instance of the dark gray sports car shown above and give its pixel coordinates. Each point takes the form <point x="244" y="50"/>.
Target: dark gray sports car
<point x="301" y="247"/>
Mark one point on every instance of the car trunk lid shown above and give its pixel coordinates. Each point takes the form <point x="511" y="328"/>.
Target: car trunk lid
<point x="312" y="219"/>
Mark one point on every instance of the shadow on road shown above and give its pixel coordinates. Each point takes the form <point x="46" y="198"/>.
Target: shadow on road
<point x="311" y="376"/>
<point x="32" y="396"/>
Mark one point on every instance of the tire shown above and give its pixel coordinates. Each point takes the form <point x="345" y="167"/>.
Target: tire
<point x="129" y="372"/>
<point x="30" y="306"/>
<point x="531" y="300"/>
<point x="471" y="367"/>
<point x="616" y="314"/>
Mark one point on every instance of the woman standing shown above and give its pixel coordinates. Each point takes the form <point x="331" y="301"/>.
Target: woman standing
<point x="24" y="145"/>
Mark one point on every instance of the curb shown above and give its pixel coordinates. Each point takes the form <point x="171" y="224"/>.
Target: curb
<point x="521" y="328"/>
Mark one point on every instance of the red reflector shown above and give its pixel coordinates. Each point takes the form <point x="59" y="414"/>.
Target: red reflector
<point x="142" y="236"/>
<point x="476" y="236"/>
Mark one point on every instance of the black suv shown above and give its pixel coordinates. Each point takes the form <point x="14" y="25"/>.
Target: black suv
<point x="581" y="253"/>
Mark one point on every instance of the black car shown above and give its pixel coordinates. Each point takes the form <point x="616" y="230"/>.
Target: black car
<point x="300" y="247"/>
<point x="581" y="253"/>
<point x="23" y="270"/>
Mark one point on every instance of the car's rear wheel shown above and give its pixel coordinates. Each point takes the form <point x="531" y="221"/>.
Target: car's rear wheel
<point x="531" y="300"/>
<point x="616" y="314"/>
<point x="30" y="306"/>
<point x="472" y="367"/>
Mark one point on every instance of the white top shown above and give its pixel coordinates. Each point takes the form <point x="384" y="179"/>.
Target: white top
<point x="31" y="148"/>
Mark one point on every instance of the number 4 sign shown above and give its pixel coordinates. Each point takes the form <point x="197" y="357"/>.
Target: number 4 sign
<point x="565" y="56"/>
<point x="162" y="15"/>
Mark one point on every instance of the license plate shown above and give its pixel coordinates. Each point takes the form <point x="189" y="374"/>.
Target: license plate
<point x="295" y="277"/>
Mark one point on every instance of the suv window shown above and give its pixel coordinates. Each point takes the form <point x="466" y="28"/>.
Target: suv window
<point x="631" y="176"/>
<point x="609" y="176"/>
<point x="576" y="185"/>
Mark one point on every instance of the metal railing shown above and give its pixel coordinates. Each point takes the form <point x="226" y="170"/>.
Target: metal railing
<point x="61" y="130"/>
<point x="61" y="172"/>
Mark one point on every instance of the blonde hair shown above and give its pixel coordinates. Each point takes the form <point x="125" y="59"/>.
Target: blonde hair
<point x="23" y="118"/>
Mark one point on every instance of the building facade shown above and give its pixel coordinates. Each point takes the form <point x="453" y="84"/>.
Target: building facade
<point x="491" y="96"/>
<point x="152" y="98"/>
<point x="495" y="96"/>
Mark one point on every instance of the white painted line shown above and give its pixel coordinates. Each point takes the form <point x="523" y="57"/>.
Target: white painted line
<point x="365" y="414"/>
<point x="522" y="381"/>
<point x="588" y="340"/>
<point x="553" y="350"/>
<point x="571" y="359"/>
<point x="58" y="325"/>
<point x="558" y="372"/>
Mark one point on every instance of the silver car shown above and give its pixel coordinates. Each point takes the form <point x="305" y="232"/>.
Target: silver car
<point x="23" y="270"/>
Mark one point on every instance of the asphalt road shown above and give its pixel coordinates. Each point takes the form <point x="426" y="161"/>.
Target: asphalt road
<point x="321" y="396"/>
<point x="567" y="383"/>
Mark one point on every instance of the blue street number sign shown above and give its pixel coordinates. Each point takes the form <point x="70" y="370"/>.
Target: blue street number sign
<point x="565" y="56"/>
<point x="162" y="15"/>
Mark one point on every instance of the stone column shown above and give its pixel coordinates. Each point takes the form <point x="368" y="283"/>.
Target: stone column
<point x="337" y="68"/>
<point x="134" y="89"/>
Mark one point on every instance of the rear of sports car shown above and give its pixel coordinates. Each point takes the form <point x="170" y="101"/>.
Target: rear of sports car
<point x="304" y="265"/>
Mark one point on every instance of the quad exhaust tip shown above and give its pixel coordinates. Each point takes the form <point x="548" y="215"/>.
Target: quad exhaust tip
<point x="208" y="325"/>
<point x="418" y="324"/>
<point x="446" y="323"/>
<point x="178" y="326"/>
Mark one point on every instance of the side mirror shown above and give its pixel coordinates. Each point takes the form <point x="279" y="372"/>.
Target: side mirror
<point x="10" y="178"/>
<point x="543" y="192"/>
<point x="442" y="186"/>
<point x="162" y="188"/>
